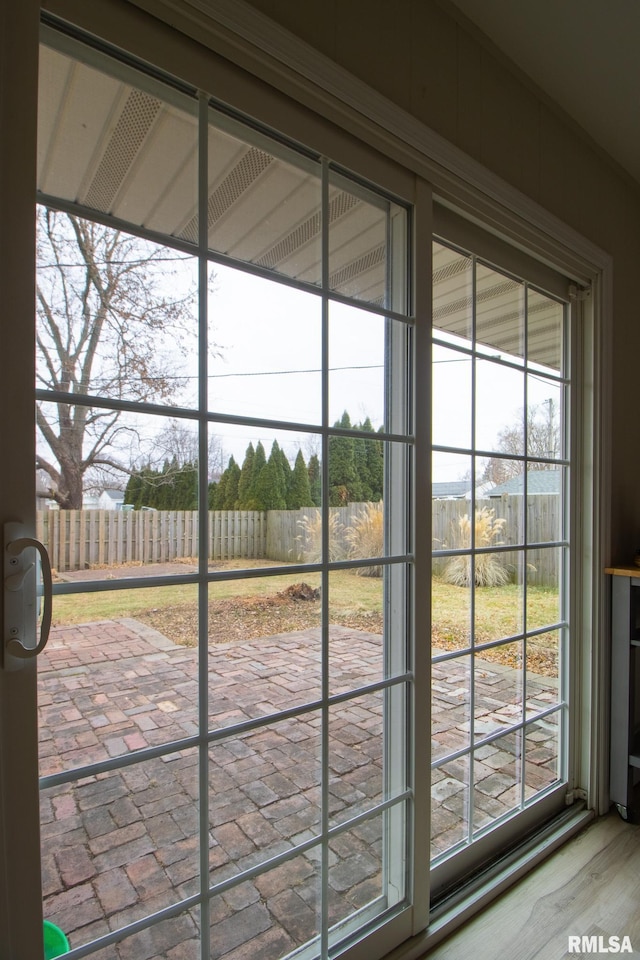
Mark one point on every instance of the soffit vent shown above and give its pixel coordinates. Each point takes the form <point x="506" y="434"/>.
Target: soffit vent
<point x="253" y="163"/>
<point x="287" y="247"/>
<point x="340" y="204"/>
<point x="464" y="304"/>
<point x="306" y="231"/>
<point x="348" y="273"/>
<point x="130" y="132"/>
<point x="452" y="269"/>
<point x="243" y="175"/>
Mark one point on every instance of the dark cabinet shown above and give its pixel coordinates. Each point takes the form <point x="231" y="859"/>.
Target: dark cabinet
<point x="625" y="691"/>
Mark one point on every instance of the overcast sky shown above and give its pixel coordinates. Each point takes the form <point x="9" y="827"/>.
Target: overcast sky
<point x="268" y="362"/>
<point x="269" y="358"/>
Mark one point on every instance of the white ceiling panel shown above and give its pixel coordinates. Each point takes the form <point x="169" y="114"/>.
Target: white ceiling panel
<point x="131" y="153"/>
<point x="160" y="188"/>
<point x="270" y="209"/>
<point x="499" y="310"/>
<point x="77" y="106"/>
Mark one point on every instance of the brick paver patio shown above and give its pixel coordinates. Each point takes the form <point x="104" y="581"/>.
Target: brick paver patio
<point x="121" y="845"/>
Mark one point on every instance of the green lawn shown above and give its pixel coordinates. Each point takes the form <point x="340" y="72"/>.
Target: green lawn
<point x="498" y="612"/>
<point x="498" y="609"/>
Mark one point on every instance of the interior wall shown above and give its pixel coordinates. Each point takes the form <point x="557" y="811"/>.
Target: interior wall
<point x="421" y="56"/>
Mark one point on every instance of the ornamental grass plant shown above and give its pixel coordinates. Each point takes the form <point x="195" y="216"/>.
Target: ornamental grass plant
<point x="365" y="538"/>
<point x="484" y="569"/>
<point x="310" y="538"/>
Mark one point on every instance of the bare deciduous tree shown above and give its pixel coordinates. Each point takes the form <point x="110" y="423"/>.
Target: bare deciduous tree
<point x="543" y="442"/>
<point x="178" y="441"/>
<point x="115" y="318"/>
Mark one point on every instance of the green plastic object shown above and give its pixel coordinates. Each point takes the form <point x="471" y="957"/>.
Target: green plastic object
<point x="55" y="942"/>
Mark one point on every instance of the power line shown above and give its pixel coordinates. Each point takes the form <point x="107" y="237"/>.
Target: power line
<point x="279" y="373"/>
<point x="251" y="373"/>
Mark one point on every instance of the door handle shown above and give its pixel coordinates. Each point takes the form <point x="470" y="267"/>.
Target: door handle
<point x="21" y="598"/>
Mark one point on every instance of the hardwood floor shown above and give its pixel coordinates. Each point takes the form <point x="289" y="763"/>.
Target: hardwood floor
<point x="590" y="887"/>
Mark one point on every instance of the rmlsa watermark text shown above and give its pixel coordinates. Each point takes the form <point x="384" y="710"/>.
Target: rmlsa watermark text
<point x="586" y="944"/>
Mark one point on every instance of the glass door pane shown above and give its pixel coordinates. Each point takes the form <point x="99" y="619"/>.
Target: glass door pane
<point x="500" y="554"/>
<point x="225" y="456"/>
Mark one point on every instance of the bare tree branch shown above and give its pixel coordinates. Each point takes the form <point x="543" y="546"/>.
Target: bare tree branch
<point x="115" y="317"/>
<point x="48" y="468"/>
<point x="543" y="442"/>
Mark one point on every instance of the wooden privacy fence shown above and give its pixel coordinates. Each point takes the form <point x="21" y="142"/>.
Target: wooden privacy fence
<point x="295" y="535"/>
<point x="78" y="539"/>
<point x="543" y="517"/>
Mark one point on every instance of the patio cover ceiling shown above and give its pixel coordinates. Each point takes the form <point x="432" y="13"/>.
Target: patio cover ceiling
<point x="130" y="152"/>
<point x="499" y="310"/>
<point x="123" y="145"/>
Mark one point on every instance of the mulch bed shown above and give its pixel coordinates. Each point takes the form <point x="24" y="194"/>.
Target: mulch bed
<point x="250" y="618"/>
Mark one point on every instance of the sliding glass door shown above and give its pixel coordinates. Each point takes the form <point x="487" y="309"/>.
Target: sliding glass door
<point x="234" y="379"/>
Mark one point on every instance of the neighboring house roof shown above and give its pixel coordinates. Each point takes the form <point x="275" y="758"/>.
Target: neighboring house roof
<point x="450" y="489"/>
<point x="107" y="500"/>
<point x="116" y="495"/>
<point x="538" y="482"/>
